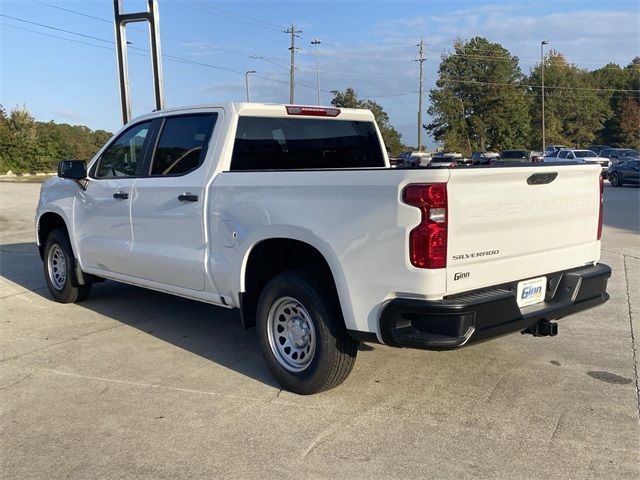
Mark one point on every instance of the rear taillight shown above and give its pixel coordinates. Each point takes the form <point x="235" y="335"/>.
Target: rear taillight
<point x="428" y="241"/>
<point x="313" y="111"/>
<point x="601" y="206"/>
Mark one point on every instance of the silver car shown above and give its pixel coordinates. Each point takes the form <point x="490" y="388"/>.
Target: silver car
<point x="580" y="156"/>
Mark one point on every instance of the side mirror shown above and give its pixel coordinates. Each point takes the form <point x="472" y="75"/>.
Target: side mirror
<point x="72" y="169"/>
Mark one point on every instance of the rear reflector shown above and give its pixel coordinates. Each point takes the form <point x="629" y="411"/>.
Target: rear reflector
<point x="428" y="241"/>
<point x="601" y="206"/>
<point x="313" y="111"/>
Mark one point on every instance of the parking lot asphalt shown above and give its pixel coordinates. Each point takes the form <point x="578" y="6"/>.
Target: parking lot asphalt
<point x="137" y="384"/>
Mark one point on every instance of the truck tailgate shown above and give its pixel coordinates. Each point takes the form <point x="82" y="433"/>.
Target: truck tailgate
<point x="513" y="223"/>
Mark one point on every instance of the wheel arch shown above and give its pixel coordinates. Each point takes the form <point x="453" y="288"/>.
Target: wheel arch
<point x="271" y="256"/>
<point x="47" y="222"/>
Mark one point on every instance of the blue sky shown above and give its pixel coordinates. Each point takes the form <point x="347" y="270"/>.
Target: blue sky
<point x="369" y="46"/>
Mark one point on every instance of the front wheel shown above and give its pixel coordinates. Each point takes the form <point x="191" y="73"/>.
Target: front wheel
<point x="614" y="179"/>
<point x="302" y="333"/>
<point x="59" y="269"/>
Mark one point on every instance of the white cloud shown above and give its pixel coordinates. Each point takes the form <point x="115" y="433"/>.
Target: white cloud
<point x="66" y="114"/>
<point x="384" y="65"/>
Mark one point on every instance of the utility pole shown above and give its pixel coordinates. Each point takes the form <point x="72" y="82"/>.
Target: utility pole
<point x="292" y="49"/>
<point x="316" y="41"/>
<point x="420" y="61"/>
<point x="246" y="81"/>
<point x="544" y="142"/>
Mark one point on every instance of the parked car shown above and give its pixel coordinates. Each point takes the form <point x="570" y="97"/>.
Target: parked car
<point x="446" y="160"/>
<point x="419" y="159"/>
<point x="537" y="156"/>
<point x="523" y="156"/>
<point x="403" y="158"/>
<point x="580" y="156"/>
<point x="484" y="158"/>
<point x="625" y="173"/>
<point x="554" y="148"/>
<point x="293" y="216"/>
<point x="618" y="155"/>
<point x="551" y="155"/>
<point x="597" y="149"/>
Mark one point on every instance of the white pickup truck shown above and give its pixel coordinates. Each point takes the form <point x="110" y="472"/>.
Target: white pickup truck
<point x="292" y="215"/>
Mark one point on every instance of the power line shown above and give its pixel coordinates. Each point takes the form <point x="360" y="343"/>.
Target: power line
<point x="74" y="11"/>
<point x="523" y="85"/>
<point x="55" y="28"/>
<point x="56" y="36"/>
<point x="145" y="53"/>
<point x="164" y="36"/>
<point x="504" y="57"/>
<point x="233" y="16"/>
<point x="257" y="20"/>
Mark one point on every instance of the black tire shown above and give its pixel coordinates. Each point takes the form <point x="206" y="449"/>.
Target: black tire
<point x="614" y="179"/>
<point x="334" y="351"/>
<point x="58" y="256"/>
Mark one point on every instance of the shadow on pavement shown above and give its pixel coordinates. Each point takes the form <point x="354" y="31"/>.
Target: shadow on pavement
<point x="211" y="332"/>
<point x="617" y="203"/>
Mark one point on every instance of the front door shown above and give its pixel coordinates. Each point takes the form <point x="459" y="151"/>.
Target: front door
<point x="102" y="212"/>
<point x="168" y="204"/>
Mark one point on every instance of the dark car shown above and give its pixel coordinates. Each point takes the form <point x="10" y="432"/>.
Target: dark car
<point x="510" y="156"/>
<point x="625" y="173"/>
<point x="484" y="158"/>
<point x="619" y="155"/>
<point x="597" y="149"/>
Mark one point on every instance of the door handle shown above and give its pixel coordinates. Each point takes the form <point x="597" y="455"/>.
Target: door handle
<point x="121" y="195"/>
<point x="188" y="197"/>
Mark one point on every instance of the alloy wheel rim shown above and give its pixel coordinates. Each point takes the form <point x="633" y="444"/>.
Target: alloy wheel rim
<point x="292" y="336"/>
<point x="57" y="264"/>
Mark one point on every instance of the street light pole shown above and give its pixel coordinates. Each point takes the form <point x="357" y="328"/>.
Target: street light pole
<point x="246" y="81"/>
<point x="544" y="140"/>
<point x="421" y="61"/>
<point x="316" y="41"/>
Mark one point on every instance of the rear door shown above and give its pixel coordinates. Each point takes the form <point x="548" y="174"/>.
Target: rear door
<point x="168" y="204"/>
<point x="513" y="223"/>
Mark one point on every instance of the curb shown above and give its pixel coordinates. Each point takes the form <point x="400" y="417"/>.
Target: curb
<point x="27" y="175"/>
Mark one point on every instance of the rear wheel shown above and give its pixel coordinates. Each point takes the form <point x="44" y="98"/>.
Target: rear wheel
<point x="302" y="334"/>
<point x="614" y="179"/>
<point x="60" y="269"/>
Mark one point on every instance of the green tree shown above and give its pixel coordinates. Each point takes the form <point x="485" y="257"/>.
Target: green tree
<point x="349" y="99"/>
<point x="28" y="146"/>
<point x="479" y="102"/>
<point x="574" y="110"/>
<point x="618" y="129"/>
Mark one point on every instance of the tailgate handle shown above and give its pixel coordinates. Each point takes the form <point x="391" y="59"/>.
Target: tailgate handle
<point x="542" y="178"/>
<point x="188" y="197"/>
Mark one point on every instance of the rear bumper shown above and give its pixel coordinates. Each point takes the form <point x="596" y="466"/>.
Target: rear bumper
<point x="471" y="317"/>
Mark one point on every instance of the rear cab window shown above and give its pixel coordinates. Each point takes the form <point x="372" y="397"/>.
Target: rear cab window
<point x="270" y="143"/>
<point x="182" y="144"/>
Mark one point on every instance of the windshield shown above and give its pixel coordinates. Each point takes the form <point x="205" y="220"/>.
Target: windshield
<point x="584" y="154"/>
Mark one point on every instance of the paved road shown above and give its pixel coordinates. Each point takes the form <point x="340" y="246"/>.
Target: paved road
<point x="138" y="384"/>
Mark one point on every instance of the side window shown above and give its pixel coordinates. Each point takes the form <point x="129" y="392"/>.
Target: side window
<point x="121" y="158"/>
<point x="182" y="144"/>
<point x="563" y="154"/>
